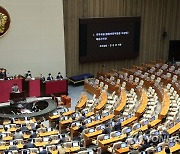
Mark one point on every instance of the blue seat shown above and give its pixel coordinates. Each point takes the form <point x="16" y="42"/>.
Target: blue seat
<point x="80" y="78"/>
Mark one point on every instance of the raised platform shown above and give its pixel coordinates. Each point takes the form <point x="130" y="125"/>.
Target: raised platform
<point x="80" y="78"/>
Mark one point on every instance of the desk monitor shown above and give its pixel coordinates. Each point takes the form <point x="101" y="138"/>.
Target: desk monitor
<point x="178" y="120"/>
<point x="121" y="119"/>
<point x="98" y="117"/>
<point x="146" y="122"/>
<point x="102" y="126"/>
<point x="118" y="133"/>
<point x="138" y="126"/>
<point x="159" y="149"/>
<point x="171" y="124"/>
<point x="88" y="121"/>
<point x="123" y="145"/>
<point x="77" y="124"/>
<point x="112" y="124"/>
<point x="91" y="130"/>
<point x="171" y="144"/>
<point x="106" y="137"/>
<point x="75" y="144"/>
<point x="55" y="113"/>
<point x="65" y="118"/>
<point x="156" y="133"/>
<point x="129" y="116"/>
<point x="153" y="118"/>
<point x="106" y="114"/>
<point x="128" y="130"/>
<point x="86" y="111"/>
<point x="45" y="139"/>
<point x="50" y="129"/>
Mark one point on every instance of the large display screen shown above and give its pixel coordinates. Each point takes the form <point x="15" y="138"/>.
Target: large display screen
<point x="108" y="38"/>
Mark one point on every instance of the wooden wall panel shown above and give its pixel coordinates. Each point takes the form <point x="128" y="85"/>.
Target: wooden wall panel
<point x="157" y="16"/>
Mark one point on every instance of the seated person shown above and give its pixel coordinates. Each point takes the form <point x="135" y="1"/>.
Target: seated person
<point x="59" y="76"/>
<point x="42" y="77"/>
<point x="28" y="75"/>
<point x="2" y="73"/>
<point x="15" y="88"/>
<point x="49" y="78"/>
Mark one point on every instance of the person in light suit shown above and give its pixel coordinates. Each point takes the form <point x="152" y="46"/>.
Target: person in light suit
<point x="15" y="88"/>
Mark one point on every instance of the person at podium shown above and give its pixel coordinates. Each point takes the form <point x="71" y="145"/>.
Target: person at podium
<point x="59" y="76"/>
<point x="15" y="88"/>
<point x="49" y="78"/>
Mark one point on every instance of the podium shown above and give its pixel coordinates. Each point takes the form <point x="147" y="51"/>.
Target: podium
<point x="17" y="97"/>
<point x="66" y="100"/>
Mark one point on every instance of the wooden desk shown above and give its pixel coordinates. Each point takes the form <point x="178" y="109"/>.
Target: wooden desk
<point x="122" y="150"/>
<point x="92" y="90"/>
<point x="97" y="122"/>
<point x="82" y="102"/>
<point x="63" y="124"/>
<point x="165" y="105"/>
<point x="20" y="146"/>
<point x="89" y="136"/>
<point x="68" y="113"/>
<point x="26" y="136"/>
<point x="74" y="131"/>
<point x="111" y="88"/>
<point x="175" y="148"/>
<point x="54" y="152"/>
<point x="89" y="114"/>
<point x="51" y="118"/>
<point x="7" y="138"/>
<point x="122" y="103"/>
<point x="128" y="121"/>
<point x="111" y="140"/>
<point x="174" y="128"/>
<point x="54" y="132"/>
<point x="72" y="149"/>
<point x="143" y="105"/>
<point x="40" y="144"/>
<point x="4" y="147"/>
<point x="102" y="103"/>
<point x="155" y="122"/>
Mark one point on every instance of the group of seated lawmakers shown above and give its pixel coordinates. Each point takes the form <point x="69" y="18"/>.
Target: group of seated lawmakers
<point x="111" y="134"/>
<point x="140" y="141"/>
<point x="28" y="75"/>
<point x="30" y="136"/>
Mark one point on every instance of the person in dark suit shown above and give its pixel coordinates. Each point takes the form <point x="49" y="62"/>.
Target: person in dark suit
<point x="49" y="78"/>
<point x="117" y="126"/>
<point x="2" y="73"/>
<point x="34" y="134"/>
<point x="29" y="144"/>
<point x="82" y="117"/>
<point x="24" y="128"/>
<point x="82" y="127"/>
<point x="59" y="76"/>
<point x="107" y="130"/>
